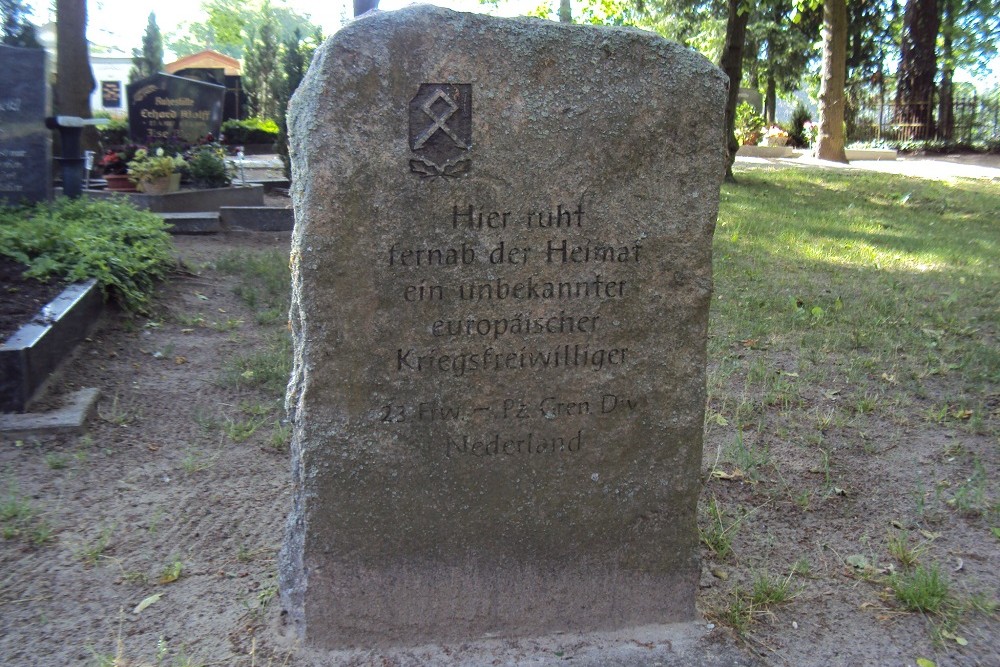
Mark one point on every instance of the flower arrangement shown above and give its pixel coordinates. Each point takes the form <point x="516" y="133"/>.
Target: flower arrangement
<point x="775" y="136"/>
<point x="811" y="132"/>
<point x="146" y="167"/>
<point x="116" y="161"/>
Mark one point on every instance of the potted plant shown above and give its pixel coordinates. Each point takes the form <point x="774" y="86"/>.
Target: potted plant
<point x="115" y="166"/>
<point x="775" y="136"/>
<point x="155" y="173"/>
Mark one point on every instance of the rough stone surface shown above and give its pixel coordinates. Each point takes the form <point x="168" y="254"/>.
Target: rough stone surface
<point x="474" y="455"/>
<point x="25" y="143"/>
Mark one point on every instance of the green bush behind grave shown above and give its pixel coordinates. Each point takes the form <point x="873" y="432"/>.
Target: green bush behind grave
<point x="250" y="131"/>
<point x="71" y="240"/>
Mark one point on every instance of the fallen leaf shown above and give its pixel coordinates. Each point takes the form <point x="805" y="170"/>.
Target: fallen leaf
<point x="719" y="573"/>
<point x="896" y="524"/>
<point x="961" y="641"/>
<point x="153" y="448"/>
<point x="722" y="474"/>
<point x="924" y="662"/>
<point x="180" y="360"/>
<point x="791" y="375"/>
<point x="837" y="491"/>
<point x="929" y="535"/>
<point x="201" y="296"/>
<point x="221" y="310"/>
<point x="857" y="561"/>
<point x="720" y="420"/>
<point x="146" y="602"/>
<point x="185" y="331"/>
<point x="891" y="379"/>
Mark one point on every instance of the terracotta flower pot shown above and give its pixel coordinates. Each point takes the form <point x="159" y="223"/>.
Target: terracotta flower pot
<point x="119" y="183"/>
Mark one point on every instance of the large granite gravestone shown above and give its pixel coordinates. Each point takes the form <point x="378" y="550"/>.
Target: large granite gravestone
<point x="501" y="281"/>
<point x="25" y="143"/>
<point x="165" y="107"/>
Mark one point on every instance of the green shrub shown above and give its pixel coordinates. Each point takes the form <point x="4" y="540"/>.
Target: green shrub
<point x="114" y="133"/>
<point x="125" y="249"/>
<point x="797" y="132"/>
<point x="207" y="168"/>
<point x="749" y="124"/>
<point x="250" y="131"/>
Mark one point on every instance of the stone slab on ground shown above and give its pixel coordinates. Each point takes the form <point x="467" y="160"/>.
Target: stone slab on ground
<point x="501" y="280"/>
<point x="205" y="222"/>
<point x="694" y="644"/>
<point x="70" y="418"/>
<point x="257" y="218"/>
<point x="766" y="151"/>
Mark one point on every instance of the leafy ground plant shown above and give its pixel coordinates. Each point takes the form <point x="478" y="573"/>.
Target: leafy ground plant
<point x="125" y="249"/>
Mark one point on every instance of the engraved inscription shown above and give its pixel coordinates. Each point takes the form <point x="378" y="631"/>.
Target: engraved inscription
<point x="551" y="327"/>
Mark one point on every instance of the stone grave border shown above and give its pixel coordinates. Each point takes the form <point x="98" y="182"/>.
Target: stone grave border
<point x="30" y="356"/>
<point x="189" y="201"/>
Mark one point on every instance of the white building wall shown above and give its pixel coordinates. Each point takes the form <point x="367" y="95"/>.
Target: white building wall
<point x="111" y="75"/>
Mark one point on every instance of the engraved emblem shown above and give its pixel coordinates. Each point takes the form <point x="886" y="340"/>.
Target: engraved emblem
<point x="441" y="129"/>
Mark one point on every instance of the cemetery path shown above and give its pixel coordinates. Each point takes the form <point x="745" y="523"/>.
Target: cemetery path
<point x="936" y="167"/>
<point x="152" y="539"/>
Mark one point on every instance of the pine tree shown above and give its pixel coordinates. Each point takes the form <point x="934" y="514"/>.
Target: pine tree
<point x="149" y="60"/>
<point x="262" y="72"/>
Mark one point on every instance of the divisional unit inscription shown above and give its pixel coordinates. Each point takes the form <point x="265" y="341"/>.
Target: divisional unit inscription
<point x="520" y="322"/>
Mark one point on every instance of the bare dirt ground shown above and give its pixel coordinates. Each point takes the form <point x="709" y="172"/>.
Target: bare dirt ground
<point x="152" y="538"/>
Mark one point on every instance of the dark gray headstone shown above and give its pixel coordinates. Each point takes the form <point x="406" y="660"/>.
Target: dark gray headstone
<point x="165" y="107"/>
<point x="25" y="143"/>
<point x="502" y="273"/>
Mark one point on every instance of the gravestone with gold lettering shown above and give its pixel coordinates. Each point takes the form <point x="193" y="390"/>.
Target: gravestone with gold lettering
<point x="164" y="107"/>
<point x="501" y="280"/>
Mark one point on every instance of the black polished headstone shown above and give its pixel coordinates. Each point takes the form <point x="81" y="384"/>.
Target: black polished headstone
<point x="165" y="107"/>
<point x="25" y="143"/>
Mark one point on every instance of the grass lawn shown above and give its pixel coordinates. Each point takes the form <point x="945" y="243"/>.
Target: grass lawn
<point x="853" y="402"/>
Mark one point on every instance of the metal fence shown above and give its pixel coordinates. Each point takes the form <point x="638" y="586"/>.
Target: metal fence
<point x="973" y="120"/>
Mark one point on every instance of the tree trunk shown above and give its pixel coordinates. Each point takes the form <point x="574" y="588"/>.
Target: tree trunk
<point x="770" y="100"/>
<point x="830" y="145"/>
<point x="74" y="78"/>
<point x="362" y="6"/>
<point x="917" y="68"/>
<point x="565" y="12"/>
<point x="946" y="117"/>
<point x="732" y="64"/>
